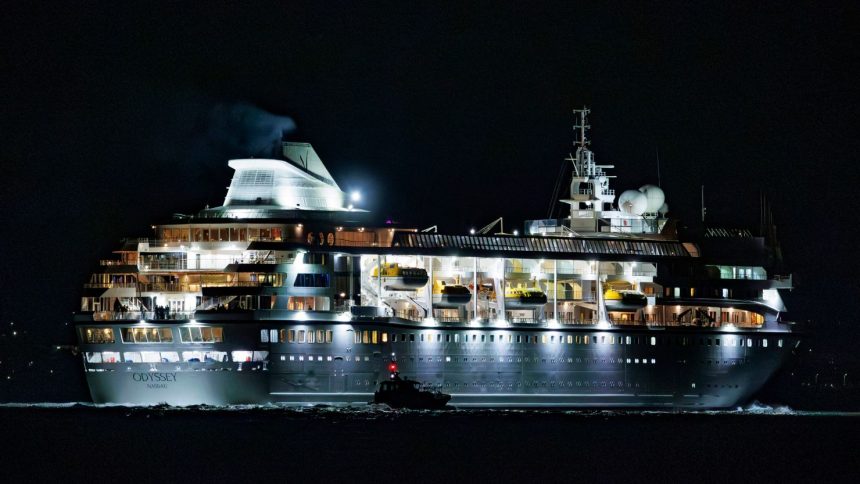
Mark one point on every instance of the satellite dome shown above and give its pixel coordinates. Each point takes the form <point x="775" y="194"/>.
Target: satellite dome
<point x="664" y="209"/>
<point x="655" y="197"/>
<point x="633" y="202"/>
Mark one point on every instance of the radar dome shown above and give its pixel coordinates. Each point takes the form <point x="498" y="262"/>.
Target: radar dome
<point x="664" y="209"/>
<point x="633" y="202"/>
<point x="655" y="197"/>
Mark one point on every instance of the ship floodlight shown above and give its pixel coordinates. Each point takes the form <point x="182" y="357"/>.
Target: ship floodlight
<point x="193" y="321"/>
<point x="355" y="196"/>
<point x="471" y="231"/>
<point x="516" y="232"/>
<point x="350" y="207"/>
<point x="142" y="321"/>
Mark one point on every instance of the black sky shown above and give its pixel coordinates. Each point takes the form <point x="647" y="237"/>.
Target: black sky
<point x="449" y="114"/>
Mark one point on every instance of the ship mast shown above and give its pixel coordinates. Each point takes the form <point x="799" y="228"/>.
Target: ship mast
<point x="589" y="186"/>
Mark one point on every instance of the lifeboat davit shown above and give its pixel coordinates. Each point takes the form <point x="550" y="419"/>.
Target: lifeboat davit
<point x="624" y="300"/>
<point x="450" y="295"/>
<point x="396" y="278"/>
<point x="524" y="298"/>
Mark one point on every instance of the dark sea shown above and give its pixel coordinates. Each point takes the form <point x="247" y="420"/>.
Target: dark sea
<point x="87" y="443"/>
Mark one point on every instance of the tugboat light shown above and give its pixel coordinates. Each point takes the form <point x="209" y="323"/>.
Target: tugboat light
<point x="355" y="196"/>
<point x="392" y="367"/>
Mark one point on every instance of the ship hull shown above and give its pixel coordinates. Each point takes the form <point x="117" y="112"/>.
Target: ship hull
<point x="577" y="366"/>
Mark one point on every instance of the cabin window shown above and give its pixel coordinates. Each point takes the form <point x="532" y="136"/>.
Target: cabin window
<point x="264" y="336"/>
<point x="439" y="337"/>
<point x="365" y="336"/>
<point x="329" y="335"/>
<point x="384" y="337"/>
<point x="764" y="342"/>
<point x="98" y="335"/>
<point x="456" y="338"/>
<point x="169" y="357"/>
<point x="653" y="341"/>
<point x="492" y="338"/>
<point x="131" y="357"/>
<point x="357" y="337"/>
<point x="94" y="357"/>
<point x="204" y="356"/>
<point x="543" y="339"/>
<point x="273" y="335"/>
<point x="301" y="336"/>
<point x="411" y="337"/>
<point x="320" y="336"/>
<point x="311" y="336"/>
<point x="150" y="356"/>
<point x="373" y="337"/>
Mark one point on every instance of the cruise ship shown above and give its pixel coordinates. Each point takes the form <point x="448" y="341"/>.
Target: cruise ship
<point x="289" y="293"/>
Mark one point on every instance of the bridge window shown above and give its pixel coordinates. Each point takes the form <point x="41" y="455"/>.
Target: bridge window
<point x="312" y="280"/>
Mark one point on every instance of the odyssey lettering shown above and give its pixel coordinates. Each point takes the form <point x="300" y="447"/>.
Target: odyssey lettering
<point x="153" y="377"/>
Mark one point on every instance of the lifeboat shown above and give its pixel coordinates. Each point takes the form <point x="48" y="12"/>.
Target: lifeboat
<point x="624" y="300"/>
<point x="450" y="295"/>
<point x="396" y="278"/>
<point x="527" y="298"/>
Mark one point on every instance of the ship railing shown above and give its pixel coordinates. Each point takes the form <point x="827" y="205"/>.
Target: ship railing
<point x="108" y="285"/>
<point x="142" y="316"/>
<point x="410" y="315"/>
<point x="113" y="262"/>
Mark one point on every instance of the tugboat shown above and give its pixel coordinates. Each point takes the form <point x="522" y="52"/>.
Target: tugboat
<point x="401" y="393"/>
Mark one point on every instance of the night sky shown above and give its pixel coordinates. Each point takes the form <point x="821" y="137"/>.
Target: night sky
<point x="114" y="119"/>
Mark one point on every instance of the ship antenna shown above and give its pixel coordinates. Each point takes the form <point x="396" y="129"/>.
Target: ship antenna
<point x="582" y="126"/>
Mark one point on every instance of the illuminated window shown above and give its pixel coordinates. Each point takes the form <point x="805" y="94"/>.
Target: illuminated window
<point x="384" y="337"/>
<point x="98" y="335"/>
<point x="198" y="334"/>
<point x="301" y="336"/>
